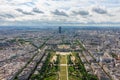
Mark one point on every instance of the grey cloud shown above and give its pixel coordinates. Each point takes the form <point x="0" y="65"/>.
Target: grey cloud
<point x="60" y="13"/>
<point x="36" y="10"/>
<point x="24" y="12"/>
<point x="99" y="10"/>
<point x="83" y="13"/>
<point x="7" y="15"/>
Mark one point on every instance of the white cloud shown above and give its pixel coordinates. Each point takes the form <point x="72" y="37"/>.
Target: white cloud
<point x="82" y="11"/>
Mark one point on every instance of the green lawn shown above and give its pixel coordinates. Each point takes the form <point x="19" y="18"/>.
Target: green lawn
<point x="63" y="73"/>
<point x="63" y="59"/>
<point x="51" y="78"/>
<point x="63" y="68"/>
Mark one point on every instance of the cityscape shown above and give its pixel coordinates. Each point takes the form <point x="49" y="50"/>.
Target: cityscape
<point x="59" y="39"/>
<point x="60" y="54"/>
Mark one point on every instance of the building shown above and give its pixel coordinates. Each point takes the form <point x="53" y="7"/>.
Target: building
<point x="60" y="30"/>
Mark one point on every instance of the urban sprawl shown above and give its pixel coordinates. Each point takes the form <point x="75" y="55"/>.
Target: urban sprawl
<point x="60" y="54"/>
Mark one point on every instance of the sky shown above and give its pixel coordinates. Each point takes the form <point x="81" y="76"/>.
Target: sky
<point x="58" y="12"/>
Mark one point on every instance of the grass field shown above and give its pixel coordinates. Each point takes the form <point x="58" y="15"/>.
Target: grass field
<point x="63" y="59"/>
<point x="63" y="73"/>
<point x="63" y="68"/>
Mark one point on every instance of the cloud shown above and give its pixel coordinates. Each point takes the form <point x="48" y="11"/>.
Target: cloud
<point x="6" y="15"/>
<point x="28" y="4"/>
<point x="82" y="12"/>
<point x="36" y="10"/>
<point x="24" y="12"/>
<point x="59" y="13"/>
<point x="99" y="10"/>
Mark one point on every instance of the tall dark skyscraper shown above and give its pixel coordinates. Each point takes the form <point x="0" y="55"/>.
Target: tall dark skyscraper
<point x="60" y="29"/>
